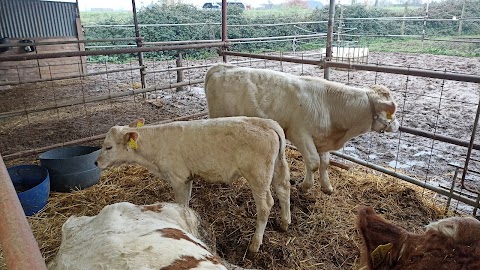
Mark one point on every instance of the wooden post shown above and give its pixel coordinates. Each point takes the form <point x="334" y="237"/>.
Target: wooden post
<point x="180" y="74"/>
<point x="460" y="24"/>
<point x="139" y="44"/>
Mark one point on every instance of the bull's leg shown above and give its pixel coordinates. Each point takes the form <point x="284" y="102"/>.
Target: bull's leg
<point x="182" y="189"/>
<point x="310" y="156"/>
<point x="263" y="203"/>
<point x="324" y="179"/>
<point x="281" y="184"/>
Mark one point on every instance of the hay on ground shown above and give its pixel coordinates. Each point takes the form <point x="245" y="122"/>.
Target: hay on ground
<point x="321" y="236"/>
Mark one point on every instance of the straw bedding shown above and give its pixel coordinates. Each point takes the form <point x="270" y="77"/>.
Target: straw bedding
<point x="321" y="236"/>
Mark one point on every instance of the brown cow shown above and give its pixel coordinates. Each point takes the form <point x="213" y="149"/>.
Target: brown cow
<point x="451" y="243"/>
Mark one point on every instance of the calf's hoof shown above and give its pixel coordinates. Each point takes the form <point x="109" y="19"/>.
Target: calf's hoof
<point x="284" y="226"/>
<point x="254" y="247"/>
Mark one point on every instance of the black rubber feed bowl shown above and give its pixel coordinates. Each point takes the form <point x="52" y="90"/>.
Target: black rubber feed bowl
<point x="71" y="168"/>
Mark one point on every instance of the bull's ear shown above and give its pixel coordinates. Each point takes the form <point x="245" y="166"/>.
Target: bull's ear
<point x="387" y="106"/>
<point x="131" y="139"/>
<point x="137" y="123"/>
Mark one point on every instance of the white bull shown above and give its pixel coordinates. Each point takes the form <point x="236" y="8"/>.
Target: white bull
<point x="317" y="115"/>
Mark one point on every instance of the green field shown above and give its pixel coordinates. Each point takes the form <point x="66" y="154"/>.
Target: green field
<point x="103" y="17"/>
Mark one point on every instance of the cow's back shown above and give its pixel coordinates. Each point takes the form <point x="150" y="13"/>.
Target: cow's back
<point x="234" y="140"/>
<point x="235" y="91"/>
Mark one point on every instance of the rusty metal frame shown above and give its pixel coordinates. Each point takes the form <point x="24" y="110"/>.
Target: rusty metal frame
<point x="19" y="247"/>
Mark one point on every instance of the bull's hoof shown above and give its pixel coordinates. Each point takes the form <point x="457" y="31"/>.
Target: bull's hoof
<point x="328" y="190"/>
<point x="304" y="188"/>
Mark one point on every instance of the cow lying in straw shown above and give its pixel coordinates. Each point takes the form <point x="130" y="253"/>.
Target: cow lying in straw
<point x="451" y="244"/>
<point x="126" y="236"/>
<point x="218" y="150"/>
<point x="317" y="115"/>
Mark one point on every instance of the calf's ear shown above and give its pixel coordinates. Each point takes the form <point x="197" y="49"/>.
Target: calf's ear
<point x="131" y="138"/>
<point x="137" y="123"/>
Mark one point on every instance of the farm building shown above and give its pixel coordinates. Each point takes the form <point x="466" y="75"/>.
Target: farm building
<point x="76" y="80"/>
<point x="36" y="27"/>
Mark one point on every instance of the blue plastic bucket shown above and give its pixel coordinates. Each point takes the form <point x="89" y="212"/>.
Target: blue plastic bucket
<point x="32" y="184"/>
<point x="71" y="168"/>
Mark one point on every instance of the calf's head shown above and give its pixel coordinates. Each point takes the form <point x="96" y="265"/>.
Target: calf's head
<point x="119" y="145"/>
<point x="383" y="109"/>
<point x="452" y="243"/>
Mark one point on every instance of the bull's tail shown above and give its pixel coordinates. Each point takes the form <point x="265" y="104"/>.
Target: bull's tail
<point x="280" y="163"/>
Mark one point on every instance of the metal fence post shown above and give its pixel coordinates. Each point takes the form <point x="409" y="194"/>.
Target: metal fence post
<point x="139" y="44"/>
<point x="328" y="56"/>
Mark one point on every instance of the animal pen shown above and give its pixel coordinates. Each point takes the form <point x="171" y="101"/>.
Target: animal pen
<point x="433" y="159"/>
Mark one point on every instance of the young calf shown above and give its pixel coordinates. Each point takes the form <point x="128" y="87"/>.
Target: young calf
<point x="127" y="236"/>
<point x="218" y="150"/>
<point x="450" y="244"/>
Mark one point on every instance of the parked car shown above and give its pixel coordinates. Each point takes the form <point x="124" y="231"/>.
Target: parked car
<point x="218" y="5"/>
<point x="211" y="5"/>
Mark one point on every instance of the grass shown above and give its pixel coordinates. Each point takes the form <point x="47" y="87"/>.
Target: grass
<point x="115" y="17"/>
<point x="428" y="47"/>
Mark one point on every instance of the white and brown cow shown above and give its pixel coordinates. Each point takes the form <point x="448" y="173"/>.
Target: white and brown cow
<point x="451" y="244"/>
<point x="165" y="236"/>
<point x="317" y="115"/>
<point x="218" y="150"/>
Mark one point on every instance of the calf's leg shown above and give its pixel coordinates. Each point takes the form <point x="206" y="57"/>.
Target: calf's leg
<point x="182" y="189"/>
<point x="263" y="202"/>
<point x="281" y="185"/>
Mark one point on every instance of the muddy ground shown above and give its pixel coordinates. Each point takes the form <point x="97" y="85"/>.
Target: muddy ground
<point x="439" y="106"/>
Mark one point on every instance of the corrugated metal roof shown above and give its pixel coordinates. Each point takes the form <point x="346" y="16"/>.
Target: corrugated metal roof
<point x="33" y="18"/>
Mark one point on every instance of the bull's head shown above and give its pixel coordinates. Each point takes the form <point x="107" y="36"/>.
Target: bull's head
<point x="383" y="109"/>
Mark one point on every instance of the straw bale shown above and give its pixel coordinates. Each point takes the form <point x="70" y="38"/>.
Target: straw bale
<point x="321" y="236"/>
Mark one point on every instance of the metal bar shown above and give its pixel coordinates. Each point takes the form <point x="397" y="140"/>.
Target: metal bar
<point x="71" y="76"/>
<point x="276" y="58"/>
<point x="407" y="178"/>
<point x="408" y="71"/>
<point x="378" y="68"/>
<point x="109" y="52"/>
<point x="19" y="247"/>
<point x="437" y="137"/>
<point x="329" y="44"/>
<point x="277" y="37"/>
<point x="470" y="147"/>
<point x="224" y="28"/>
<point x="139" y="45"/>
<point x="67" y="42"/>
<point x="88" y="139"/>
<point x="454" y="40"/>
<point x="93" y="99"/>
<point x="452" y="187"/>
<point x="181" y="42"/>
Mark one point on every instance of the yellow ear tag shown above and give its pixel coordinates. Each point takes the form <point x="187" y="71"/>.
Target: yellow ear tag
<point x="389" y="116"/>
<point x="132" y="144"/>
<point x="379" y="254"/>
<point x="139" y="124"/>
